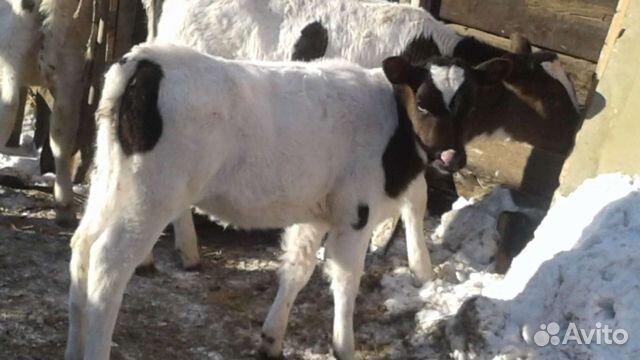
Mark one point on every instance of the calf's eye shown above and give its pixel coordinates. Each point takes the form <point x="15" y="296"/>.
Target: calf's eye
<point x="422" y="110"/>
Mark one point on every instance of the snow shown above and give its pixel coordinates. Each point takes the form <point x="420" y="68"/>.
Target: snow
<point x="570" y="222"/>
<point x="579" y="272"/>
<point x="462" y="246"/>
<point x="26" y="167"/>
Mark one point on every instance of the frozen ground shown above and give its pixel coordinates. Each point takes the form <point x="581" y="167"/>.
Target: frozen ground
<point x="217" y="313"/>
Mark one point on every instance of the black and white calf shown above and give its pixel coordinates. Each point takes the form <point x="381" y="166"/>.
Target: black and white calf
<point x="315" y="148"/>
<point x="363" y="32"/>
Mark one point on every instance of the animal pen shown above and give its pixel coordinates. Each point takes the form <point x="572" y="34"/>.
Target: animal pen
<point x="575" y="29"/>
<point x="597" y="41"/>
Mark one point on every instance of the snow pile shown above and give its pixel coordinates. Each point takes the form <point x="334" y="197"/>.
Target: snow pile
<point x="582" y="286"/>
<point x="462" y="247"/>
<point x="571" y="221"/>
<point x="468" y="233"/>
<point x="575" y="282"/>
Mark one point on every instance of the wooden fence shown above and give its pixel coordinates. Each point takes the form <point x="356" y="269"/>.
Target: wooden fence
<point x="117" y="25"/>
<point x="576" y="29"/>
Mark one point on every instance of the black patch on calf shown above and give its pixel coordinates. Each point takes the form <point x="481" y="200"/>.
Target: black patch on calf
<point x="140" y="123"/>
<point x="400" y="161"/>
<point x="475" y="52"/>
<point x="28" y="5"/>
<point x="419" y="50"/>
<point x="312" y="43"/>
<point x="363" y="217"/>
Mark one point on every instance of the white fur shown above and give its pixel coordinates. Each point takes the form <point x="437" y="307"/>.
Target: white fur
<point x="448" y="80"/>
<point x="19" y="41"/>
<point x="361" y="32"/>
<point x="556" y="71"/>
<point x="364" y="32"/>
<point x="46" y="47"/>
<point x="288" y="145"/>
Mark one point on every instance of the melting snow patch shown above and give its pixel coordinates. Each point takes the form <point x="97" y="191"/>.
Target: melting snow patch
<point x="571" y="294"/>
<point x="462" y="248"/>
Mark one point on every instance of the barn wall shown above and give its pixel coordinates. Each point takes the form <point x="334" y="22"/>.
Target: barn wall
<point x="576" y="30"/>
<point x="573" y="27"/>
<point x="609" y="136"/>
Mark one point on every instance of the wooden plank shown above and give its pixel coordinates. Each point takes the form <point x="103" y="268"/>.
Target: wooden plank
<point x="573" y="27"/>
<point x="125" y="27"/>
<point x="580" y="71"/>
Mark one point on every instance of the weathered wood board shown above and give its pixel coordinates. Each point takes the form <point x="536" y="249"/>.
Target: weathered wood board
<point x="580" y="71"/>
<point x="573" y="27"/>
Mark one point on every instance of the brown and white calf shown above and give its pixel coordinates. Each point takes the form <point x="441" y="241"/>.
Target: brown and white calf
<point x="317" y="148"/>
<point x="535" y="104"/>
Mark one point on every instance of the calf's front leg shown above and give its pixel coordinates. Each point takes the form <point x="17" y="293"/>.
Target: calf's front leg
<point x="346" y="251"/>
<point x="412" y="212"/>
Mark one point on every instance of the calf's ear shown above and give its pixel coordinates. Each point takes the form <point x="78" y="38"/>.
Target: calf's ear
<point x="520" y="44"/>
<point x="543" y="56"/>
<point x="397" y="69"/>
<point x="493" y="71"/>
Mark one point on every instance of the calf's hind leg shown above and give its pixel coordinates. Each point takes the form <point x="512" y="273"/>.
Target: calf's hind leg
<point x="186" y="243"/>
<point x="300" y="243"/>
<point x="112" y="261"/>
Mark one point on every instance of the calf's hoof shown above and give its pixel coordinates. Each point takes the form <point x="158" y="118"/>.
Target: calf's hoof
<point x="344" y="356"/>
<point x="268" y="349"/>
<point x="190" y="264"/>
<point x="66" y="216"/>
<point x="193" y="268"/>
<point x="421" y="277"/>
<point x="146" y="270"/>
<point x="262" y="355"/>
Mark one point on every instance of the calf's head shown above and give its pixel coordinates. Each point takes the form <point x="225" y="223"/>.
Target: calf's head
<point x="539" y="77"/>
<point x="438" y="98"/>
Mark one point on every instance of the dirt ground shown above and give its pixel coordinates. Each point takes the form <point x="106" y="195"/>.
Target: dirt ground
<point x="215" y="313"/>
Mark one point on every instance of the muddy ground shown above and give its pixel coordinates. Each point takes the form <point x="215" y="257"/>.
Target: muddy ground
<point x="172" y="314"/>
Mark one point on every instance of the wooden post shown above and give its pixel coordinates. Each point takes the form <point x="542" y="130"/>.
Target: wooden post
<point x="94" y="68"/>
<point x="115" y="30"/>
